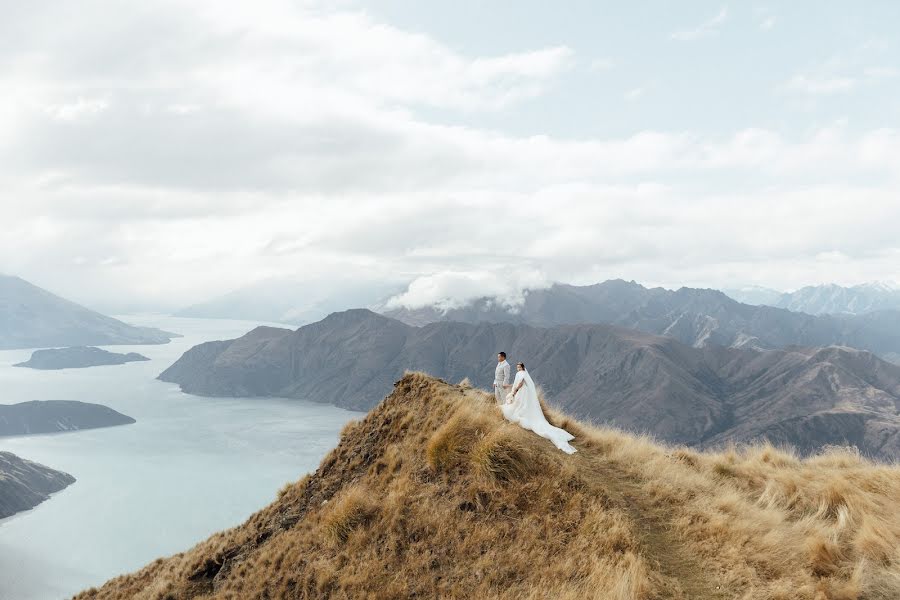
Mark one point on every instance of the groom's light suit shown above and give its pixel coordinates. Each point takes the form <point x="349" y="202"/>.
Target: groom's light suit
<point x="501" y="378"/>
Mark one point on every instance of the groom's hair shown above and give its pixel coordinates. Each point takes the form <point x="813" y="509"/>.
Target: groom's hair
<point x="503" y="354"/>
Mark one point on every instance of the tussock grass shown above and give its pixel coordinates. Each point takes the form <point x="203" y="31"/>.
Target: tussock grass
<point x="434" y="495"/>
<point x="453" y="442"/>
<point x="352" y="509"/>
<point x="503" y="455"/>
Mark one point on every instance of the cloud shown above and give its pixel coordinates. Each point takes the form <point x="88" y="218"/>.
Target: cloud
<point x="172" y="152"/>
<point x="350" y="56"/>
<point x="454" y="289"/>
<point x="635" y="93"/>
<point x="602" y="64"/>
<point x="820" y="84"/>
<point x="845" y="71"/>
<point x="707" y="28"/>
<point x="825" y="81"/>
<point x="589" y="210"/>
<point x="183" y="109"/>
<point x="880" y="72"/>
<point x="77" y="109"/>
<point x="278" y="96"/>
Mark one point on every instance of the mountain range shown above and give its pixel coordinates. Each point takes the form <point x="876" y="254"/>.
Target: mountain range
<point x="31" y="317"/>
<point x="754" y="294"/>
<point x="825" y="299"/>
<point x="706" y="396"/>
<point x="696" y="317"/>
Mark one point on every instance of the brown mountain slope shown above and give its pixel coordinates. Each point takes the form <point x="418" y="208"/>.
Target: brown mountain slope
<point x="434" y="495"/>
<point x="641" y="382"/>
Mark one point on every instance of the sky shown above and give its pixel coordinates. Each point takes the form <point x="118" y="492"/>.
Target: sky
<point x="158" y="154"/>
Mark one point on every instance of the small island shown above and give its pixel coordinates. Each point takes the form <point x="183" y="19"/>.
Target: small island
<point x="25" y="484"/>
<point x="77" y="357"/>
<point x="54" y="416"/>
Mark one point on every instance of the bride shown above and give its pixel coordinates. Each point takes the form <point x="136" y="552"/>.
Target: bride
<point x="522" y="407"/>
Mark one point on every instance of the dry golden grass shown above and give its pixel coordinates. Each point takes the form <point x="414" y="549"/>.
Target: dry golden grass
<point x="434" y="495"/>
<point x="352" y="509"/>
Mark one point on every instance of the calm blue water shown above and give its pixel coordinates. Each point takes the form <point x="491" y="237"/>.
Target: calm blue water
<point x="190" y="466"/>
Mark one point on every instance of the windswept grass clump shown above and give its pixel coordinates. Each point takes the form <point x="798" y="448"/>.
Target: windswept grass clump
<point x="434" y="495"/>
<point x="454" y="440"/>
<point x="503" y="455"/>
<point x="353" y="508"/>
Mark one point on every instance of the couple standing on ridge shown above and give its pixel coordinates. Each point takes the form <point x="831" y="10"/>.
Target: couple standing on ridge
<point x="519" y="404"/>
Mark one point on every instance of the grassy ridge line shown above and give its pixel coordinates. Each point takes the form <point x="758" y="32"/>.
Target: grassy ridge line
<point x="433" y="494"/>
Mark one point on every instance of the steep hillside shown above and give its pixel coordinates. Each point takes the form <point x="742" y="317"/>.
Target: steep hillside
<point x="696" y="317"/>
<point x="31" y="317"/>
<point x="25" y="484"/>
<point x="638" y="381"/>
<point x="433" y="495"/>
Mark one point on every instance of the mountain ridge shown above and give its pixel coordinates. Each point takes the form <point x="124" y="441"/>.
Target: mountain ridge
<point x="827" y="298"/>
<point x="31" y="317"/>
<point x="641" y="382"/>
<point x="433" y="495"/>
<point x="693" y="316"/>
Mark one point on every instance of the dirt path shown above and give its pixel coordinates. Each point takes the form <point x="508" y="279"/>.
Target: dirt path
<point x="687" y="578"/>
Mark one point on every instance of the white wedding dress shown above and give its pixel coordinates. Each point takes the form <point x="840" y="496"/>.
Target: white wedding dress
<point x="525" y="410"/>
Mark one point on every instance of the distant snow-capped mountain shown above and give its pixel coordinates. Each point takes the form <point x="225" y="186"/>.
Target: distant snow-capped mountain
<point x="755" y="294"/>
<point x="696" y="317"/>
<point x="835" y="299"/>
<point x="825" y="299"/>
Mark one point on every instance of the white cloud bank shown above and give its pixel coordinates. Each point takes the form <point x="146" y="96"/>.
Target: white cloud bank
<point x="454" y="289"/>
<point x="170" y="152"/>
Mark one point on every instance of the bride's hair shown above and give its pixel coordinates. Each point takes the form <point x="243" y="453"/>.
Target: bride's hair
<point x="521" y="365"/>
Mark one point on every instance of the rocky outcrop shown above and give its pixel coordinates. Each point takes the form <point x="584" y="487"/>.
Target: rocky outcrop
<point x="25" y="484"/>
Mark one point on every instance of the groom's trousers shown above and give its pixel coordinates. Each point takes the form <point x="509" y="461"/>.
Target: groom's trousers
<point x="499" y="393"/>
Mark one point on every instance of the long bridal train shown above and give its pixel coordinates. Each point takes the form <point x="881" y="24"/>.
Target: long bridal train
<point x="525" y="410"/>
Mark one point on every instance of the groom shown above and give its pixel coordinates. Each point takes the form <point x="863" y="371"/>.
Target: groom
<point x="501" y="378"/>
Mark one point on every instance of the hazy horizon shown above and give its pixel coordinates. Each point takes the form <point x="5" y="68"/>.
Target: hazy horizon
<point x="442" y="290"/>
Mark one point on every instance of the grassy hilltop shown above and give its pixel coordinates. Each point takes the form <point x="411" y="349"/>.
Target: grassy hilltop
<point x="434" y="495"/>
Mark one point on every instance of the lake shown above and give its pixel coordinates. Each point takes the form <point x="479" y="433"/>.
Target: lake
<point x="190" y="466"/>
